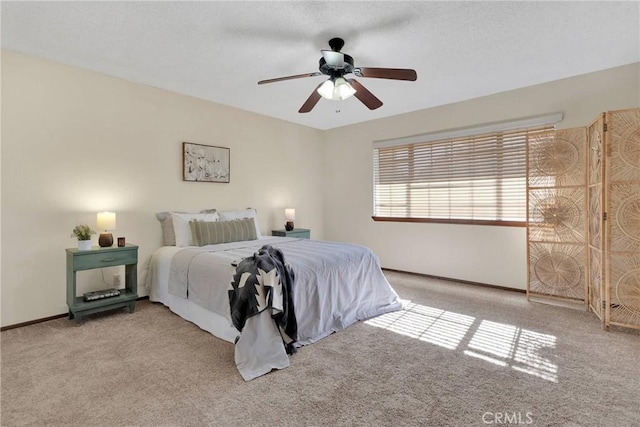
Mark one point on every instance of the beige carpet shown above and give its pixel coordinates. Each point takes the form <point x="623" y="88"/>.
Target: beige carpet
<point x="460" y="356"/>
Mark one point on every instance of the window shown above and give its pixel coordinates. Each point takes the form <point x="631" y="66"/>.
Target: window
<point x="475" y="175"/>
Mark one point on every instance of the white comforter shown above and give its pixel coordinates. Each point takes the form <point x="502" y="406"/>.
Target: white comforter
<point x="336" y="284"/>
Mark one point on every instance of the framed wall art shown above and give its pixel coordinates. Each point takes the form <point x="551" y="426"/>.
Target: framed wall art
<point x="205" y="163"/>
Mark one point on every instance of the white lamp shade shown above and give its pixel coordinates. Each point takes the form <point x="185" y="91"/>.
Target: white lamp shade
<point x="326" y="90"/>
<point x="106" y="221"/>
<point x="342" y="90"/>
<point x="290" y="214"/>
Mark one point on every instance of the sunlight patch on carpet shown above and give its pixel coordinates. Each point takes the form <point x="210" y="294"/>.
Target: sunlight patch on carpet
<point x="515" y="347"/>
<point x="435" y="326"/>
<point x="497" y="343"/>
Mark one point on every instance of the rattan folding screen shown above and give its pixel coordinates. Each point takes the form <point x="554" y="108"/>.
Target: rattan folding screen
<point x="583" y="192"/>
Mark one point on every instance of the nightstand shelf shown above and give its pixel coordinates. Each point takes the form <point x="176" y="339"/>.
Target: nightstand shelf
<point x="98" y="257"/>
<point x="301" y="233"/>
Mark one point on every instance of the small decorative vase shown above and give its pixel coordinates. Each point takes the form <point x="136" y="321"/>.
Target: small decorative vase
<point x="84" y="245"/>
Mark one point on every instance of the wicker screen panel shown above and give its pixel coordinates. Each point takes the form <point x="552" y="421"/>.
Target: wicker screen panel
<point x="557" y="269"/>
<point x="595" y="231"/>
<point x="625" y="289"/>
<point x="557" y="215"/>
<point x="556" y="159"/>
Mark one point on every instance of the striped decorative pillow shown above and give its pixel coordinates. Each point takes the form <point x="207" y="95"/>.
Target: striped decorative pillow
<point x="212" y="233"/>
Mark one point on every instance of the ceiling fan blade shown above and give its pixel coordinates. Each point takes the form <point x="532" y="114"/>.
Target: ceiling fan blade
<point x="297" y="76"/>
<point x="363" y="94"/>
<point x="387" y="73"/>
<point x="333" y="59"/>
<point x="311" y="101"/>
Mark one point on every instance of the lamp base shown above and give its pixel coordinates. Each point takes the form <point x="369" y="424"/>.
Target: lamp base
<point x="288" y="226"/>
<point x="105" y="240"/>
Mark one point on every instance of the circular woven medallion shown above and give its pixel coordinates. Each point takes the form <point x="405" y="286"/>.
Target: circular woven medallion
<point x="628" y="292"/>
<point x="557" y="270"/>
<point x="628" y="217"/>
<point x="557" y="158"/>
<point x="630" y="148"/>
<point x="559" y="212"/>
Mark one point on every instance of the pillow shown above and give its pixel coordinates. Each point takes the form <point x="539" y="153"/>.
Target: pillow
<point x="181" y="225"/>
<point x="211" y="233"/>
<point x="241" y="214"/>
<point x="166" y="222"/>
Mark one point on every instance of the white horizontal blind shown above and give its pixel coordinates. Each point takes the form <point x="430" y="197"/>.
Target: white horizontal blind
<point x="462" y="179"/>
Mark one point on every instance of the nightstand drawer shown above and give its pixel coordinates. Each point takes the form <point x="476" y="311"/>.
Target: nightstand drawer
<point x="106" y="258"/>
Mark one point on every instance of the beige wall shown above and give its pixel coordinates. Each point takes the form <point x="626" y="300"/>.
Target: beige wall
<point x="76" y="142"/>
<point x="485" y="254"/>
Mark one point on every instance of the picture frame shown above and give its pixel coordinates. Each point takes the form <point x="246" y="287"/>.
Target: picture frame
<point x="205" y="163"/>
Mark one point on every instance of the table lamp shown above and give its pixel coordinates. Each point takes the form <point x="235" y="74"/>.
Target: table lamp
<point x="290" y="215"/>
<point x="106" y="221"/>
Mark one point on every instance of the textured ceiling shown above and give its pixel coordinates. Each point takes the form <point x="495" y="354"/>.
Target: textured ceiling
<point x="219" y="50"/>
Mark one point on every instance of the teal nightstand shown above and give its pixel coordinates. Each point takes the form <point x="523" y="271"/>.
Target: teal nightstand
<point x="98" y="257"/>
<point x="301" y="233"/>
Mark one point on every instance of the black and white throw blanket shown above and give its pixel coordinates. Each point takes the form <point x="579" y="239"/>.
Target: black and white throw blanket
<point x="264" y="281"/>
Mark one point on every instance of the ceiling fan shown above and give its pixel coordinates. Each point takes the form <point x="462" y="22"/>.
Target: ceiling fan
<point x="336" y="65"/>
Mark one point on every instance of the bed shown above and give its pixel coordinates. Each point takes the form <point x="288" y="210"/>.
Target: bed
<point x="336" y="285"/>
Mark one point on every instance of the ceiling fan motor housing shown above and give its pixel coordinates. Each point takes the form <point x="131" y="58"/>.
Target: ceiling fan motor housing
<point x="333" y="71"/>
